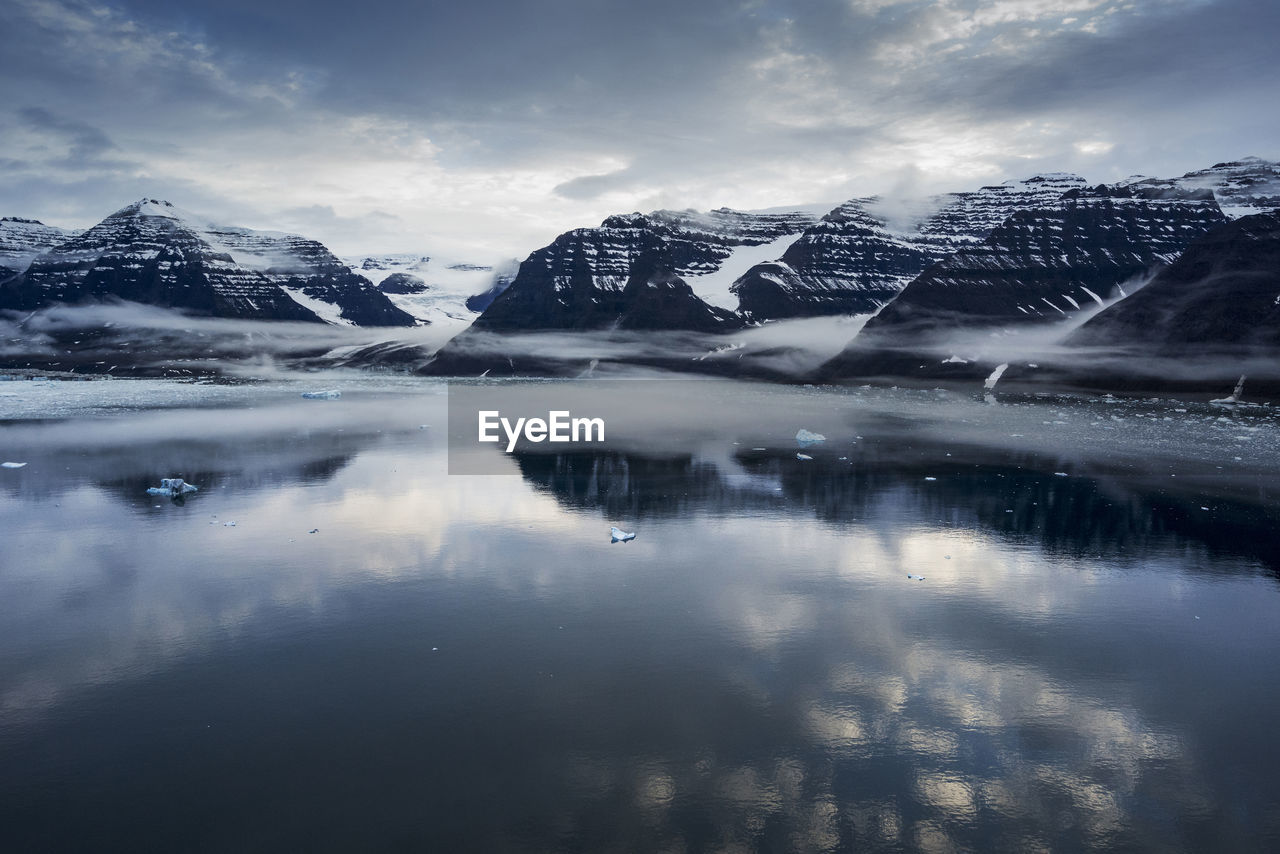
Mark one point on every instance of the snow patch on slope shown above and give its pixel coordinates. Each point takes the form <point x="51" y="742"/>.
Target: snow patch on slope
<point x="713" y="287"/>
<point x="326" y="311"/>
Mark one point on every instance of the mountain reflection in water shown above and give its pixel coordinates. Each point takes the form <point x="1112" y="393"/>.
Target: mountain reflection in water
<point x="455" y="663"/>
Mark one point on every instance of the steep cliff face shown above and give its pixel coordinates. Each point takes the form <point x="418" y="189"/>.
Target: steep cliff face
<point x="151" y="252"/>
<point x="577" y="281"/>
<point x="22" y="240"/>
<point x="846" y="264"/>
<point x="655" y="298"/>
<point x="1038" y="266"/>
<point x="1221" y="296"/>
<point x="863" y="253"/>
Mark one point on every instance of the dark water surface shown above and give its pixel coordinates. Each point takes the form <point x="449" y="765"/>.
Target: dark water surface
<point x="467" y="663"/>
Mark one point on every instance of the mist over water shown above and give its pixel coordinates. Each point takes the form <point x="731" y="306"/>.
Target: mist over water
<point x="454" y="663"/>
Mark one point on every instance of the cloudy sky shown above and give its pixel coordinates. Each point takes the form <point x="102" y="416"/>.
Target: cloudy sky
<point x="483" y="128"/>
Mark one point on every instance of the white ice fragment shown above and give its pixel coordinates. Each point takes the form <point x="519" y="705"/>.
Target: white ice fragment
<point x="331" y="394"/>
<point x="172" y="486"/>
<point x="228" y="524"/>
<point x="807" y="437"/>
<point x="617" y="535"/>
<point x="8" y="465"/>
<point x="1061" y="474"/>
<point x="803" y="457"/>
<point x="915" y="577"/>
<point x="930" y="478"/>
<point x="1234" y="398"/>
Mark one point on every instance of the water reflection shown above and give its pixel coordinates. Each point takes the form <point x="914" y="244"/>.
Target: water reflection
<point x="468" y="663"/>
<point x="1017" y="496"/>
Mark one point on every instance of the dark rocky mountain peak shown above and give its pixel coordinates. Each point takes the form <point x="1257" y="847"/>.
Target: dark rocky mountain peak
<point x="1222" y="295"/>
<point x="1039" y="266"/>
<point x="864" y="252"/>
<point x="153" y="252"/>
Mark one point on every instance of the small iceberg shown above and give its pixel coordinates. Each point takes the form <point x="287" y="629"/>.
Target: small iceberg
<point x="617" y="535"/>
<point x="8" y="465"/>
<point x="1233" y="400"/>
<point x="172" y="486"/>
<point x="331" y="394"/>
<point x="803" y="457"/>
<point x="808" y="437"/>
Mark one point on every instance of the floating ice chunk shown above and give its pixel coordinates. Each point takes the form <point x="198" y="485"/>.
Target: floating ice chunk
<point x="806" y="437"/>
<point x="1061" y="474"/>
<point x="8" y="465"/>
<point x="1233" y="400"/>
<point x="930" y="478"/>
<point x="331" y="394"/>
<point x="172" y="486"/>
<point x="953" y="359"/>
<point x="915" y="577"/>
<point x="617" y="535"/>
<point x="803" y="457"/>
<point x="228" y="524"/>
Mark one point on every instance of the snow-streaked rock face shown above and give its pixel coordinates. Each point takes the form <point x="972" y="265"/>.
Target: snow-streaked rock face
<point x="1221" y="295"/>
<point x="863" y="253"/>
<point x="152" y="252"/>
<point x="1038" y="266"/>
<point x="1242" y="187"/>
<point x="577" y="282"/>
<point x="21" y="240"/>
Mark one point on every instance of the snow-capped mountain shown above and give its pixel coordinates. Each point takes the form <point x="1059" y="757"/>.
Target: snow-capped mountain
<point x="577" y="282"/>
<point x="1242" y="187"/>
<point x="863" y="253"/>
<point x="1221" y="295"/>
<point x="1038" y="266"/>
<point x="152" y="252"/>
<point x="21" y="240"/>
<point x="663" y="271"/>
<point x="440" y="291"/>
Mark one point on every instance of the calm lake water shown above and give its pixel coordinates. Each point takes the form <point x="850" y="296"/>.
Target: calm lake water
<point x="379" y="656"/>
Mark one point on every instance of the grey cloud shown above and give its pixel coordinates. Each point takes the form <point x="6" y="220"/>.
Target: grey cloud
<point x="85" y="141"/>
<point x="593" y="186"/>
<point x="665" y="101"/>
